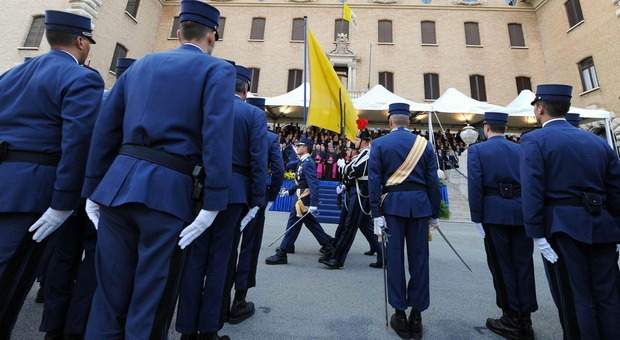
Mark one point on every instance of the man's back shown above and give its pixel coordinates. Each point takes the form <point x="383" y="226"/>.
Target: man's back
<point x="567" y="162"/>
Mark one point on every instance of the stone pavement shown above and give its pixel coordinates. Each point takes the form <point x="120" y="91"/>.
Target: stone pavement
<point x="304" y="300"/>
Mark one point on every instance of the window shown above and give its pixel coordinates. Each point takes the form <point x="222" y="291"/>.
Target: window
<point x="523" y="83"/>
<point x="132" y="7"/>
<point x="385" y="31"/>
<point x="175" y="28"/>
<point x="431" y="86"/>
<point x="478" y="91"/>
<point x="297" y="34"/>
<point x="588" y="74"/>
<point x="37" y="28"/>
<point x="119" y="52"/>
<point x="472" y="34"/>
<point x="515" y="31"/>
<point x="295" y="77"/>
<point x="258" y="29"/>
<point x="428" y="33"/>
<point x="386" y="79"/>
<point x="341" y="26"/>
<point x="220" y="27"/>
<point x="573" y="10"/>
<point x="254" y="79"/>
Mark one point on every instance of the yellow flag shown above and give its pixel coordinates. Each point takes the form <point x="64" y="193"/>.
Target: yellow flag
<point x="349" y="15"/>
<point x="328" y="97"/>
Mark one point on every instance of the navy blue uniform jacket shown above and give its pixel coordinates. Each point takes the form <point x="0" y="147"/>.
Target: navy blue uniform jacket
<point x="47" y="105"/>
<point x="488" y="164"/>
<point x="387" y="153"/>
<point x="559" y="161"/>
<point x="276" y="165"/>
<point x="180" y="102"/>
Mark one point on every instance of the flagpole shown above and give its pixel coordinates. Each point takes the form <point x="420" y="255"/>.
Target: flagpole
<point x="343" y="138"/>
<point x="342" y="17"/>
<point x="305" y="67"/>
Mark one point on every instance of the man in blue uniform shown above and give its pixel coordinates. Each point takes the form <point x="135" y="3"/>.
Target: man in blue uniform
<point x="306" y="191"/>
<point x="404" y="164"/>
<point x="494" y="196"/>
<point x="162" y="145"/>
<point x="252" y="231"/>
<point x="43" y="146"/>
<point x="201" y="301"/>
<point x="570" y="182"/>
<point x="122" y="64"/>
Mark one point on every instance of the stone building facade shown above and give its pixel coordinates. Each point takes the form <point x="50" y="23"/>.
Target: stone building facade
<point x="559" y="42"/>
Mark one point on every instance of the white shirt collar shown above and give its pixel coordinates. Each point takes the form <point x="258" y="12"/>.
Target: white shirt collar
<point x="303" y="158"/>
<point x="552" y="120"/>
<point x="198" y="47"/>
<point x="72" y="56"/>
<point x="396" y="128"/>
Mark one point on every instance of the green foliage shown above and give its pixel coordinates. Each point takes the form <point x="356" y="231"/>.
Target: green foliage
<point x="444" y="211"/>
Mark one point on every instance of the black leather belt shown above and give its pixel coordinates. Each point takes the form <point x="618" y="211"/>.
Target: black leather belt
<point x="241" y="170"/>
<point x="160" y="157"/>
<point x="404" y="187"/>
<point x="40" y="158"/>
<point x="572" y="202"/>
<point x="496" y="192"/>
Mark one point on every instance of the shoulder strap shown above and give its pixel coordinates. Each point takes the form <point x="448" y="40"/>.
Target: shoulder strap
<point x="410" y="162"/>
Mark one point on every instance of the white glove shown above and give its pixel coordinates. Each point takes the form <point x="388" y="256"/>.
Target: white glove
<point x="313" y="210"/>
<point x="202" y="222"/>
<point x="341" y="163"/>
<point x="339" y="189"/>
<point x="92" y="210"/>
<point x="618" y="248"/>
<point x="48" y="222"/>
<point x="248" y="217"/>
<point x="379" y="225"/>
<point x="546" y="250"/>
<point x="433" y="223"/>
<point x="284" y="192"/>
<point x="480" y="229"/>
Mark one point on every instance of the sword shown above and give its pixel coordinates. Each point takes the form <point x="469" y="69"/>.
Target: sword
<point x="289" y="228"/>
<point x="451" y="247"/>
<point x="383" y="239"/>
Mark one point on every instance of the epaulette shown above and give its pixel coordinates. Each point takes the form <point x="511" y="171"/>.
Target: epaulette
<point x="92" y="69"/>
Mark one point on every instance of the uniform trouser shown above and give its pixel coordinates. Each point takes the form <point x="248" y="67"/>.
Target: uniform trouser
<point x="288" y="242"/>
<point x="509" y="257"/>
<point x="342" y="219"/>
<point x="367" y="231"/>
<point x="584" y="285"/>
<point x="45" y="260"/>
<point x="138" y="265"/>
<point x="202" y="285"/>
<point x="70" y="279"/>
<point x="356" y="218"/>
<point x="245" y="276"/>
<point x="19" y="258"/>
<point x="415" y="293"/>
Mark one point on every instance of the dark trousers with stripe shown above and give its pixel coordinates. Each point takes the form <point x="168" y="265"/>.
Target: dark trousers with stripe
<point x="509" y="256"/>
<point x="203" y="282"/>
<point x="70" y="278"/>
<point x="584" y="286"/>
<point x="288" y="242"/>
<point x="19" y="259"/>
<point x="414" y="233"/>
<point x="356" y="218"/>
<point x="138" y="265"/>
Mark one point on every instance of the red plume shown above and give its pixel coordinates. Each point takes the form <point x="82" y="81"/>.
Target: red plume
<point x="361" y="124"/>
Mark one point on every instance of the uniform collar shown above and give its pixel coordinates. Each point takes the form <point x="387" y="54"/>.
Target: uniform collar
<point x="72" y="56"/>
<point x="304" y="157"/>
<point x="553" y="120"/>
<point x="496" y="136"/>
<point x="362" y="149"/>
<point x="400" y="127"/>
<point x="192" y="44"/>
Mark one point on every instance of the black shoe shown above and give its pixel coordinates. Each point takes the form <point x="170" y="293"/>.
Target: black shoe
<point x="326" y="249"/>
<point x="376" y="265"/>
<point x="55" y="334"/>
<point x="526" y="325"/>
<point x="415" y="325"/>
<point x="73" y="337"/>
<point x="240" y="311"/>
<point x="370" y="252"/>
<point x="508" y="326"/>
<point x="213" y="336"/>
<point x="292" y="251"/>
<point x="193" y="336"/>
<point x="333" y="264"/>
<point x="400" y="326"/>
<point x="278" y="258"/>
<point x="40" y="295"/>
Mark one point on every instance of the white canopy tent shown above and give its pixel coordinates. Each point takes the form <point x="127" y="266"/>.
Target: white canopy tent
<point x="374" y="104"/>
